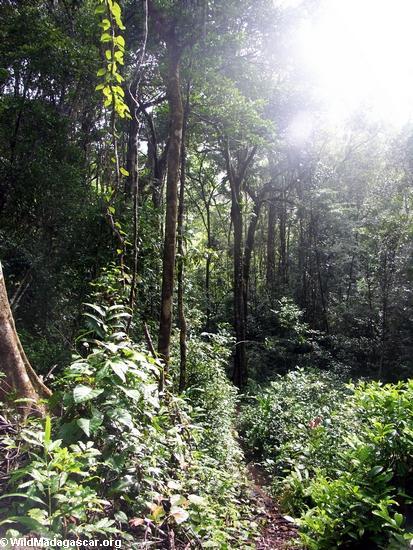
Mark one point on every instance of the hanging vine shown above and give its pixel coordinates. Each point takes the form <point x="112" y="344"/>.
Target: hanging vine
<point x="111" y="24"/>
<point x="114" y="99"/>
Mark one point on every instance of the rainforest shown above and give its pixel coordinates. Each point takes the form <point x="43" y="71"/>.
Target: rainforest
<point x="206" y="274"/>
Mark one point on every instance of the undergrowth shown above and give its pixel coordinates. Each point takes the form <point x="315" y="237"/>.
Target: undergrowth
<point x="119" y="459"/>
<point x="340" y="457"/>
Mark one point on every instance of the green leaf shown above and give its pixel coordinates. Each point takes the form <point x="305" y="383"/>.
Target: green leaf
<point x="121" y="517"/>
<point x="69" y="430"/>
<point x="97" y="308"/>
<point x="82" y="393"/>
<point x="47" y="431"/>
<point x="105" y="24"/>
<point x="133" y="394"/>
<point x="196" y="499"/>
<point x="124" y="417"/>
<point x="119" y="57"/>
<point x="120" y="41"/>
<point x="376" y="470"/>
<point x="179" y="514"/>
<point x="28" y="497"/>
<point x="119" y="369"/>
<point x="96" y="421"/>
<point x="124" y="171"/>
<point x="84" y="425"/>
<point x="115" y="9"/>
<point x="399" y="519"/>
<point x="31" y="523"/>
<point x="39" y="515"/>
<point x="104" y="523"/>
<point x="157" y="512"/>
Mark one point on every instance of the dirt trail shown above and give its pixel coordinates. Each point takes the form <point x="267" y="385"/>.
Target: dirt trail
<point x="277" y="533"/>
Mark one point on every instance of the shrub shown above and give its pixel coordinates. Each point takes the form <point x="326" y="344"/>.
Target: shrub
<point x="212" y="395"/>
<point x="341" y="457"/>
<point x="299" y="407"/>
<point x="363" y="500"/>
<point x="126" y="460"/>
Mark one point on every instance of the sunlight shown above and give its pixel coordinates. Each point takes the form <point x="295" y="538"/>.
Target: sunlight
<point x="359" y="55"/>
<point x="300" y="128"/>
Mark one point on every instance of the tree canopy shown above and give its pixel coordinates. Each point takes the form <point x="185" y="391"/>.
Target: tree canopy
<point x="202" y="232"/>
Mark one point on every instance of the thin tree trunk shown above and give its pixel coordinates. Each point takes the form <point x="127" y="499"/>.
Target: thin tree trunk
<point x="132" y="152"/>
<point x="133" y="164"/>
<point x="174" y="153"/>
<point x="181" y="213"/>
<point x="208" y="268"/>
<point x="236" y="179"/>
<point x="322" y="290"/>
<point x="270" y="271"/>
<point x="239" y="374"/>
<point x="19" y="378"/>
<point x="283" y="241"/>
<point x="249" y="246"/>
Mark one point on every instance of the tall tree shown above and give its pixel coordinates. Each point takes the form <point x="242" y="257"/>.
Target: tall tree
<point x="176" y="116"/>
<point x="237" y="166"/>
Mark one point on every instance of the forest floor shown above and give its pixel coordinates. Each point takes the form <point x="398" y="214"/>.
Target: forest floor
<point x="278" y="533"/>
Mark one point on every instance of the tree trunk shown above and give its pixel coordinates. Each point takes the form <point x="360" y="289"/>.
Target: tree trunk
<point x="240" y="360"/>
<point x="282" y="268"/>
<point x="132" y="152"/>
<point x="270" y="271"/>
<point x="236" y="177"/>
<point x="181" y="252"/>
<point x="20" y="380"/>
<point x="249" y="246"/>
<point x="174" y="153"/>
<point x="208" y="268"/>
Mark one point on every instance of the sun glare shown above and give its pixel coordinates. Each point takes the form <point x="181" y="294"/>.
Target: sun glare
<point x="359" y="55"/>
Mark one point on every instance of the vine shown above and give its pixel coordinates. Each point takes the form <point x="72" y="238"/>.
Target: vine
<point x="114" y="98"/>
<point x="111" y="24"/>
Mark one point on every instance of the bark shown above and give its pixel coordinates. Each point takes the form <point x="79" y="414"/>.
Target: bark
<point x="387" y="269"/>
<point x="322" y="289"/>
<point x="156" y="163"/>
<point x="135" y="193"/>
<point x="208" y="267"/>
<point x="174" y="153"/>
<point x="240" y="360"/>
<point x="282" y="268"/>
<point x="205" y="213"/>
<point x="132" y="153"/>
<point x="132" y="188"/>
<point x="133" y="164"/>
<point x="249" y="246"/>
<point x="270" y="271"/>
<point x="181" y="253"/>
<point x="236" y="175"/>
<point x="20" y="379"/>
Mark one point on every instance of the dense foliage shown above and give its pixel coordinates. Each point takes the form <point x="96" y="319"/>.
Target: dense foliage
<point x="197" y="264"/>
<point x="340" y="456"/>
<point x="123" y="461"/>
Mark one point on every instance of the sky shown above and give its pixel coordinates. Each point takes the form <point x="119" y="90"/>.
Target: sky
<point x="358" y="55"/>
